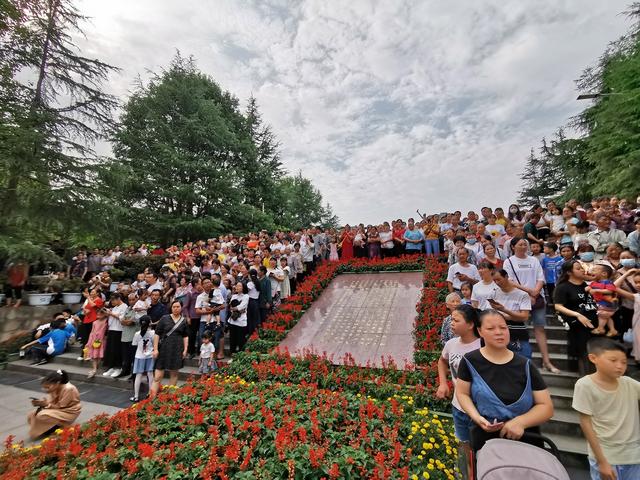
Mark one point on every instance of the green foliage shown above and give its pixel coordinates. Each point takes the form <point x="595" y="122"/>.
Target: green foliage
<point x="131" y="266"/>
<point x="302" y="204"/>
<point x="189" y="164"/>
<point x="52" y="110"/>
<point x="606" y="159"/>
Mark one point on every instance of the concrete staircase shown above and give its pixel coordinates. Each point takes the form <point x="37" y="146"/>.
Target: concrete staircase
<point x="564" y="427"/>
<point x="78" y="370"/>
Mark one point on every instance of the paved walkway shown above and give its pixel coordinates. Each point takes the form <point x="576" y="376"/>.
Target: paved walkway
<point x="16" y="388"/>
<point x="368" y="315"/>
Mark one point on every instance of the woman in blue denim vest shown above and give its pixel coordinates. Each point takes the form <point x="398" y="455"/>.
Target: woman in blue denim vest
<point x="503" y="393"/>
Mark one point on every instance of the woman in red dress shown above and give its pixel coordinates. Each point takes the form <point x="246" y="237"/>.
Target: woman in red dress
<point x="346" y="242"/>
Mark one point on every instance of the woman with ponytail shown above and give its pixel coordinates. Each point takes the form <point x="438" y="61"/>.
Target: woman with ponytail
<point x="59" y="410"/>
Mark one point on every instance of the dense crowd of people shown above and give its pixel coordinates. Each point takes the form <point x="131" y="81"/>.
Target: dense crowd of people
<point x="506" y="271"/>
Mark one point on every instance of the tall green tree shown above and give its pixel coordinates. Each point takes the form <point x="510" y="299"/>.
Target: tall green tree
<point x="543" y="178"/>
<point x="179" y="155"/>
<point x="302" y="205"/>
<point x="263" y="169"/>
<point x="190" y="164"/>
<point x="53" y="110"/>
<point x="605" y="159"/>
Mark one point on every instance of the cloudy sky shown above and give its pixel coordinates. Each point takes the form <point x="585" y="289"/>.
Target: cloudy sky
<point x="387" y="106"/>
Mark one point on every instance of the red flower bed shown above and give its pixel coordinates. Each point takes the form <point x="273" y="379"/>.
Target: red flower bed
<point x="225" y="427"/>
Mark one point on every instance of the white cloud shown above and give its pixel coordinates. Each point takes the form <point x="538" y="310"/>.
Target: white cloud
<point x="386" y="106"/>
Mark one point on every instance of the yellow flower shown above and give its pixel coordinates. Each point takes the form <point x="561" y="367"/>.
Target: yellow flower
<point x="59" y="431"/>
<point x="414" y="477"/>
<point x="432" y="440"/>
<point x="425" y="474"/>
<point x="430" y="466"/>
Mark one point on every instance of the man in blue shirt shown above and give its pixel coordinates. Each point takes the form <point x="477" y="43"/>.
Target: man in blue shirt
<point x="49" y="345"/>
<point x="414" y="238"/>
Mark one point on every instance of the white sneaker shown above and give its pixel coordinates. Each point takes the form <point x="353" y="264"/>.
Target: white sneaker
<point x="108" y="373"/>
<point x="80" y="359"/>
<point x="116" y="372"/>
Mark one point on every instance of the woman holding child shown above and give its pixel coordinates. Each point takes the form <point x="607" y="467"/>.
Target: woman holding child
<point x="577" y="309"/>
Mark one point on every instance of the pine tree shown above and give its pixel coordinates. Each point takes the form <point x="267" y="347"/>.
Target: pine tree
<point x="53" y="109"/>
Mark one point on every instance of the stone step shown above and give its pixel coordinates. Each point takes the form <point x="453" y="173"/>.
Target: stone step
<point x="563" y="379"/>
<point x="80" y="370"/>
<point x="561" y="361"/>
<point x="554" y="332"/>
<point x="71" y="358"/>
<point x="562" y="397"/>
<point x="554" y="346"/>
<point x="565" y="421"/>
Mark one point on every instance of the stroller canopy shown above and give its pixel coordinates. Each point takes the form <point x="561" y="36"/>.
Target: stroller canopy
<point x="502" y="459"/>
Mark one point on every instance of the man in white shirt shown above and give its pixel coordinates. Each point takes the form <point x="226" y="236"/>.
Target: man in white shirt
<point x="154" y="282"/>
<point x="604" y="236"/>
<point x="462" y="271"/>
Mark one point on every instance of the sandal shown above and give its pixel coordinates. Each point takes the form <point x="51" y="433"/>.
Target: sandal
<point x="134" y="399"/>
<point x="550" y="368"/>
<point x="612" y="333"/>
<point x="92" y="374"/>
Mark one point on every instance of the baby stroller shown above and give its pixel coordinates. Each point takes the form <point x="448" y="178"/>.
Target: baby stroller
<point x="502" y="459"/>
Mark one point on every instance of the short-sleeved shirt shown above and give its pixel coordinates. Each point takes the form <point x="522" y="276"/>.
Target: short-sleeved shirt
<point x="575" y="298"/>
<point x="470" y="271"/>
<point x="91" y="313"/>
<point x="603" y="285"/>
<point x="515" y="300"/>
<point x="143" y="344"/>
<point x="524" y="271"/>
<point x="56" y="341"/>
<point x="157" y="311"/>
<point x="481" y="291"/>
<point x="453" y="352"/>
<point x="615" y="417"/>
<point x="414" y="234"/>
<point x="551" y="267"/>
<point x="206" y="350"/>
<point x="118" y="312"/>
<point x="508" y="380"/>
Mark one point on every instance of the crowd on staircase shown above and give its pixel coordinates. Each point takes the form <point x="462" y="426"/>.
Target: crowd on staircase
<point x="507" y="271"/>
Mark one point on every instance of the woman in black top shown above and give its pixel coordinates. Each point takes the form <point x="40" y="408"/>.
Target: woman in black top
<point x="503" y="393"/>
<point x="170" y="344"/>
<point x="578" y="310"/>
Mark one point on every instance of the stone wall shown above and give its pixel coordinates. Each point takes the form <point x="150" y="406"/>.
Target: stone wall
<point x="13" y="320"/>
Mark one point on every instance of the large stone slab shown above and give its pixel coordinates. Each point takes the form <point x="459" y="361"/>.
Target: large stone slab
<point x="369" y="316"/>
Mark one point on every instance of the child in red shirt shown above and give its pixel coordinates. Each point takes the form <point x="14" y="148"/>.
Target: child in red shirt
<point x="604" y="293"/>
